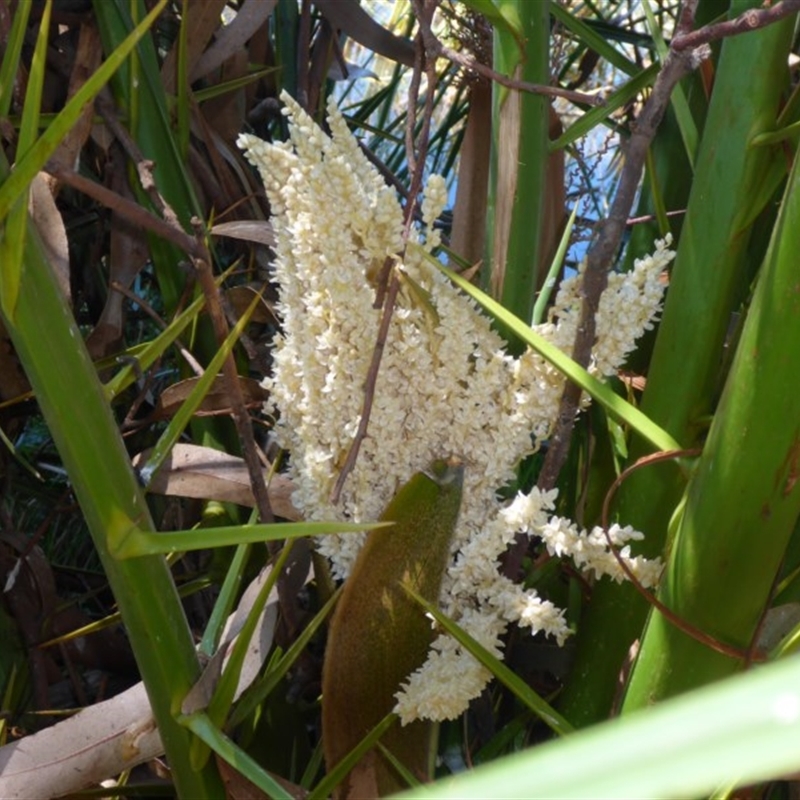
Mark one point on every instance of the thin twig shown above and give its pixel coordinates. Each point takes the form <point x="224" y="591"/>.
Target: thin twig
<point x="654" y="217"/>
<point x="385" y="172"/>
<point x="193" y="363"/>
<point x="437" y="48"/>
<point x="241" y="417"/>
<point x="144" y="167"/>
<point x="369" y="388"/>
<point x="681" y="624"/>
<point x="750" y="20"/>
<point x="127" y="209"/>
<point x="603" y="250"/>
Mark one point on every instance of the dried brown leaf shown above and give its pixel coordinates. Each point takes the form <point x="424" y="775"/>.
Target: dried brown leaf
<point x="205" y="473"/>
<point x="349" y="17"/>
<point x="202" y="21"/>
<point x="233" y="37"/>
<point x="240" y="298"/>
<point x="50" y="226"/>
<point x="216" y="400"/>
<point x="88" y="55"/>
<point x="248" y="230"/>
<point x="127" y="257"/>
<point x="226" y="113"/>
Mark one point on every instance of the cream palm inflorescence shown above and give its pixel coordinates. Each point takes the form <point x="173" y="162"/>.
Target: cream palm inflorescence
<point x="446" y="387"/>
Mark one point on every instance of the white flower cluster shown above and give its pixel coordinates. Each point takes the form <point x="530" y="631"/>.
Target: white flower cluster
<point x="628" y="304"/>
<point x="445" y="387"/>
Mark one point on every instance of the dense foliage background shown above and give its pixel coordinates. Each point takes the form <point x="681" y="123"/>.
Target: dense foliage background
<point x="137" y="318"/>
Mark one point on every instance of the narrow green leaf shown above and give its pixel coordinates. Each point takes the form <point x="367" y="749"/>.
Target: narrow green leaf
<point x="543" y="299"/>
<point x="29" y="124"/>
<point x="183" y="416"/>
<point x="147" y="355"/>
<point x="12" y="246"/>
<point x="18" y="457"/>
<point x="202" y="727"/>
<point x="13" y="49"/>
<point x="136" y="543"/>
<point x="17" y="222"/>
<point x="226" y="599"/>
<point x="507" y="677"/>
<point x="225" y="690"/>
<point x="398" y="766"/>
<point x="339" y="772"/>
<point x="233" y="85"/>
<point x="255" y="694"/>
<point x="593" y="39"/>
<point x="656" y="194"/>
<point x="775" y="137"/>
<point x="599" y="114"/>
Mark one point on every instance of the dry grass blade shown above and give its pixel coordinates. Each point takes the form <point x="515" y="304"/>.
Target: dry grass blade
<point x="249" y="18"/>
<point x="205" y="473"/>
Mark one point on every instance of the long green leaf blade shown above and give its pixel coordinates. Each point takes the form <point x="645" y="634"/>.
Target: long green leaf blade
<point x="204" y="729"/>
<point x="13" y="50"/>
<point x="17" y="222"/>
<point x="744" y="730"/>
<point x="135" y="543"/>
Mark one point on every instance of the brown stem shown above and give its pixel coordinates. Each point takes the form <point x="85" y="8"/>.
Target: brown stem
<point x="144" y="167"/>
<point x="681" y="624"/>
<point x="369" y="388"/>
<point x="241" y="417"/>
<point x="750" y="20"/>
<point x="603" y="250"/>
<point x="127" y="209"/>
<point x="437" y="48"/>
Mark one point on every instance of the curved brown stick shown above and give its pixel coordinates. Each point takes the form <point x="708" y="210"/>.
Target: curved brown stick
<point x="681" y="624"/>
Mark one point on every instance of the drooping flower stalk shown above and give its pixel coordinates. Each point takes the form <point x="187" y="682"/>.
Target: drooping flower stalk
<point x="446" y="387"/>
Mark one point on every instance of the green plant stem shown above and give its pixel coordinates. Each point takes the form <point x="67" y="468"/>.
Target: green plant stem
<point x="709" y="281"/>
<point x="519" y="160"/>
<point x="726" y="555"/>
<point x="51" y="350"/>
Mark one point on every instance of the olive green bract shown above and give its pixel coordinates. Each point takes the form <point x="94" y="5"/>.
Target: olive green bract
<point x="378" y="635"/>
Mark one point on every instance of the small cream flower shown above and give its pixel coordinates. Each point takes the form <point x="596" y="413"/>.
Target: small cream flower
<point x="445" y="387"/>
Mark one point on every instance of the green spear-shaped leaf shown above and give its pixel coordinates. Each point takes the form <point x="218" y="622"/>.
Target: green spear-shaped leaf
<point x="379" y="636"/>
